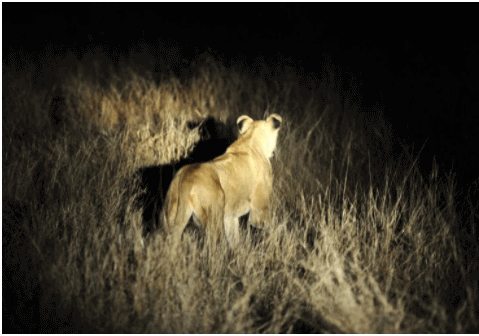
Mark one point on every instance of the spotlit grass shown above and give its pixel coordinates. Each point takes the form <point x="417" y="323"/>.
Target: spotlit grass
<point x="358" y="239"/>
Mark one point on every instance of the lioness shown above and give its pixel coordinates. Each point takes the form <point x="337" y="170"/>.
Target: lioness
<point x="230" y="186"/>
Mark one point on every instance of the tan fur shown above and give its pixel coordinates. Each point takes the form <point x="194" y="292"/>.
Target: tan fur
<point x="230" y="186"/>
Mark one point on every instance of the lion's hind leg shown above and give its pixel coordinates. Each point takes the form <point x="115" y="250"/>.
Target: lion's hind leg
<point x="208" y="212"/>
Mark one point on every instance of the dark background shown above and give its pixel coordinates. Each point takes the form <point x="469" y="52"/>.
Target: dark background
<point x="419" y="61"/>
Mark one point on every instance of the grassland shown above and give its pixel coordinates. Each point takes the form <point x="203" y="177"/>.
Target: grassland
<point x="359" y="240"/>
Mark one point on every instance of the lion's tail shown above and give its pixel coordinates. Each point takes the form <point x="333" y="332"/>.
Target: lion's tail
<point x="179" y="220"/>
<point x="184" y="210"/>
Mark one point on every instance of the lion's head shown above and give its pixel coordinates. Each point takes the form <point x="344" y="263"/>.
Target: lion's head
<point x="263" y="132"/>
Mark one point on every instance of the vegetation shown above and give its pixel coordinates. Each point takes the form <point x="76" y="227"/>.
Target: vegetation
<point x="359" y="240"/>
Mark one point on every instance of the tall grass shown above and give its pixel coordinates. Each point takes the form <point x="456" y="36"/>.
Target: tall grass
<point x="358" y="239"/>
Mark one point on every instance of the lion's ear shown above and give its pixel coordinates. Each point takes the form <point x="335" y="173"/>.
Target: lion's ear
<point x="276" y="119"/>
<point x="244" y="123"/>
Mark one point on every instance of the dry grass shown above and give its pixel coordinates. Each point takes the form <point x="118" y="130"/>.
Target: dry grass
<point x="358" y="239"/>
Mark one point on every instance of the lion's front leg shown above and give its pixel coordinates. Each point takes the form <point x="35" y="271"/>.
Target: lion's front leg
<point x="232" y="230"/>
<point x="259" y="206"/>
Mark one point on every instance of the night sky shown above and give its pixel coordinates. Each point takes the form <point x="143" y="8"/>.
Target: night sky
<point x="419" y="61"/>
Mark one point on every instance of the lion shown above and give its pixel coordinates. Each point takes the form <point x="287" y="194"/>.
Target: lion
<point x="222" y="190"/>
